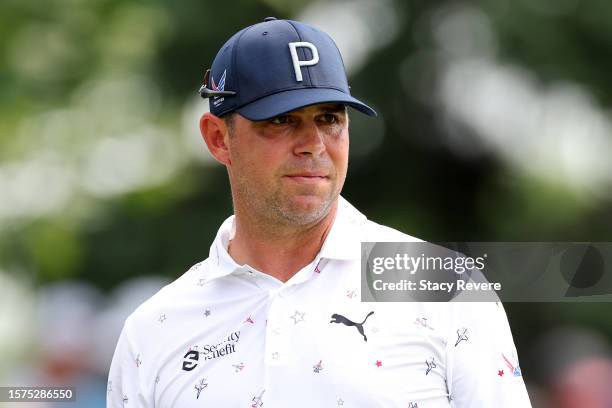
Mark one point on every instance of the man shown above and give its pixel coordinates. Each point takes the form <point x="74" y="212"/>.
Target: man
<point x="273" y="318"/>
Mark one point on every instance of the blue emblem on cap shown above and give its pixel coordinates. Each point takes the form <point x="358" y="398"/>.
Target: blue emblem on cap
<point x="221" y="87"/>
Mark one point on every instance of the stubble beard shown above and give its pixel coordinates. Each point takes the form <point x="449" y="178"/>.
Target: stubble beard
<point x="287" y="212"/>
<point x="278" y="208"/>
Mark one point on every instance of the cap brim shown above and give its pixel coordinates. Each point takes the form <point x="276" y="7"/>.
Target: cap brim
<point x="280" y="103"/>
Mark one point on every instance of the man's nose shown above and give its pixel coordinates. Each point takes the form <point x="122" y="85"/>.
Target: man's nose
<point x="310" y="140"/>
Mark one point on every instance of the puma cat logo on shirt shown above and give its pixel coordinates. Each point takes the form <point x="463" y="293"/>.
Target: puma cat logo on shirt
<point x="338" y="318"/>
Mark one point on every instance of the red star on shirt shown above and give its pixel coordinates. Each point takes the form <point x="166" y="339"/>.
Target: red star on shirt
<point x="500" y="372"/>
<point x="378" y="363"/>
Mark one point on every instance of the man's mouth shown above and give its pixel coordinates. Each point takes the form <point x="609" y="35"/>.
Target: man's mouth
<point x="307" y="177"/>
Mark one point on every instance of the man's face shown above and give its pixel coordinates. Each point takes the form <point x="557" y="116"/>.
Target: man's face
<point x="289" y="170"/>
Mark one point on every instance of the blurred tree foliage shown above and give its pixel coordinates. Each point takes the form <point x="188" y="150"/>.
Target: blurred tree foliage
<point x="51" y="51"/>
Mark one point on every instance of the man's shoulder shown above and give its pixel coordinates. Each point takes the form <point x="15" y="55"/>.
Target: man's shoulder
<point x="376" y="232"/>
<point x="369" y="230"/>
<point x="155" y="307"/>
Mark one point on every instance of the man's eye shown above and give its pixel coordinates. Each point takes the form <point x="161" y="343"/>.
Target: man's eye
<point x="329" y="118"/>
<point x="280" y="120"/>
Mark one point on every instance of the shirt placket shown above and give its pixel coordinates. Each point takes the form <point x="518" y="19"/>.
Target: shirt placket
<point x="277" y="351"/>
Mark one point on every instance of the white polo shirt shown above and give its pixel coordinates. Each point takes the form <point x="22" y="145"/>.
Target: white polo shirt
<point x="226" y="335"/>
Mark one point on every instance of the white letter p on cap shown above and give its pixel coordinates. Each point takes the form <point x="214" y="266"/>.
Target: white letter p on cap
<point x="297" y="63"/>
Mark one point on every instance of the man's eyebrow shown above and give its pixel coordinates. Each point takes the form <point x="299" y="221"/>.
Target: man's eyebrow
<point x="333" y="108"/>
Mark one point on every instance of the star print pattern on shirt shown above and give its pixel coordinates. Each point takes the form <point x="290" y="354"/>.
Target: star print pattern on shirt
<point x="340" y="402"/>
<point x="138" y="361"/>
<point x="431" y="364"/>
<point x="258" y="400"/>
<point x="206" y="313"/>
<point x="201" y="282"/>
<point x="500" y="372"/>
<point x="297" y="317"/>
<point x="515" y="370"/>
<point x="200" y="386"/>
<point x="162" y="318"/>
<point x="423" y="322"/>
<point x="462" y="335"/>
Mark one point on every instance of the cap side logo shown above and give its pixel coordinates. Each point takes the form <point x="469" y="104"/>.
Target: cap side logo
<point x="297" y="63"/>
<point x="221" y="87"/>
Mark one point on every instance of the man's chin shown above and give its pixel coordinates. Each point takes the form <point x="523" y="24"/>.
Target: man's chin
<point x="306" y="209"/>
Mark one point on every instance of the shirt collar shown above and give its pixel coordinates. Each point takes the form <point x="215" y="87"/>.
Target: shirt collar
<point x="342" y="242"/>
<point x="222" y="263"/>
<point x="345" y="236"/>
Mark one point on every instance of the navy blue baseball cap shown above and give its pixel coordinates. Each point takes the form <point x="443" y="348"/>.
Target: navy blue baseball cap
<point x="275" y="67"/>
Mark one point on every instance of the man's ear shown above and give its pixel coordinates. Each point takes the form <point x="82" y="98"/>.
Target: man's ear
<point x="215" y="134"/>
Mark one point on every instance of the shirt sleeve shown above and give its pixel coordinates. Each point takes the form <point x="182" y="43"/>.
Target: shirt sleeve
<point x="125" y="387"/>
<point x="482" y="362"/>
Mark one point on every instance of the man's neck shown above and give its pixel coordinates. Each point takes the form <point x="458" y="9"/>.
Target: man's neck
<point x="281" y="253"/>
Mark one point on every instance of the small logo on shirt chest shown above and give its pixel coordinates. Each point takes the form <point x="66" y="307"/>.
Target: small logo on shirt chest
<point x="190" y="360"/>
<point x="210" y="351"/>
<point x="338" y="318"/>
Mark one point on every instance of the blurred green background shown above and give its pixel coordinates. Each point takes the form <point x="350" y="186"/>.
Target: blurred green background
<point x="494" y="125"/>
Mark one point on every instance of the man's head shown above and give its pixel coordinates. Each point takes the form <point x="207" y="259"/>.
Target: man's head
<point x="278" y="120"/>
<point x="288" y="170"/>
